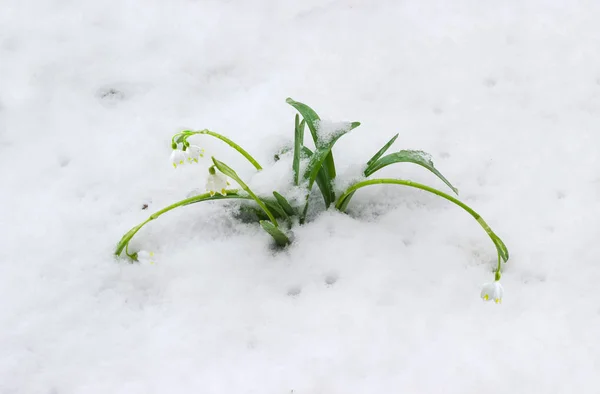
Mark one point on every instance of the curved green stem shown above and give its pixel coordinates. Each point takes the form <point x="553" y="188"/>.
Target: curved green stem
<point x="202" y="197"/>
<point x="230" y="172"/>
<point x="227" y="141"/>
<point x="500" y="247"/>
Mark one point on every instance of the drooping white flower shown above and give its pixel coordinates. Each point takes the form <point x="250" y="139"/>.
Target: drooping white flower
<point x="492" y="291"/>
<point x="194" y="152"/>
<point x="145" y="257"/>
<point x="178" y="157"/>
<point x="217" y="183"/>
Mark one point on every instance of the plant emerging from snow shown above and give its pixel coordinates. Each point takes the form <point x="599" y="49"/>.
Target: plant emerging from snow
<point x="276" y="214"/>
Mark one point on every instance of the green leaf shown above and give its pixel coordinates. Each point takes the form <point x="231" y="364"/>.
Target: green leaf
<point x="285" y="205"/>
<point x="320" y="154"/>
<point x="382" y="151"/>
<point x="326" y="187"/>
<point x="298" y="141"/>
<point x="311" y="118"/>
<point x="274" y="207"/>
<point x="280" y="238"/>
<point x="408" y="156"/>
<point x="502" y="249"/>
<point x="251" y="214"/>
<point x="315" y="164"/>
<point x="225" y="169"/>
<point x="309" y="115"/>
<point x="323" y="182"/>
<point x="323" y="163"/>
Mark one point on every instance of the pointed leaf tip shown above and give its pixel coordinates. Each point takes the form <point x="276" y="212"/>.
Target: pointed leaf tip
<point x="381" y="151"/>
<point x="279" y="236"/>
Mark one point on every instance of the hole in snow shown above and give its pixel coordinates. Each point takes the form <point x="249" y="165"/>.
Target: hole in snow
<point x="64" y="161"/>
<point x="294" y="291"/>
<point x="489" y="82"/>
<point x="331" y="279"/>
<point x="110" y="96"/>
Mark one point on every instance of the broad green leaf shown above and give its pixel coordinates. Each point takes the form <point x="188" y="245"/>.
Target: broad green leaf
<point x="382" y="151"/>
<point x="408" y="156"/>
<point x="277" y="211"/>
<point x="311" y="118"/>
<point x="309" y="115"/>
<point x="319" y="155"/>
<point x="307" y="152"/>
<point x="314" y="166"/>
<point x="285" y="205"/>
<point x="298" y="141"/>
<point x="225" y="169"/>
<point x="502" y="249"/>
<point x="280" y="238"/>
<point x="250" y="214"/>
<point x="323" y="182"/>
<point x="326" y="187"/>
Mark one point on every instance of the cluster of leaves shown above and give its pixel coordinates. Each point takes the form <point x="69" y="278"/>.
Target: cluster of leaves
<point x="270" y="212"/>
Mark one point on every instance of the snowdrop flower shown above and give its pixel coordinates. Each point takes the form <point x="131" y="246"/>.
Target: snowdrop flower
<point x="145" y="257"/>
<point x="492" y="291"/>
<point x="194" y="152"/>
<point x="216" y="182"/>
<point x="178" y="157"/>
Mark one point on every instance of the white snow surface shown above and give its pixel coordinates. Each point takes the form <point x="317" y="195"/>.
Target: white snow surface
<point x="504" y="94"/>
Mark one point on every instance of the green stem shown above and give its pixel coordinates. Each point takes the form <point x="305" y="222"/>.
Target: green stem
<point x="500" y="247"/>
<point x="230" y="172"/>
<point x="304" y="210"/>
<point x="228" y="142"/>
<point x="124" y="242"/>
<point x="499" y="269"/>
<point x="260" y="204"/>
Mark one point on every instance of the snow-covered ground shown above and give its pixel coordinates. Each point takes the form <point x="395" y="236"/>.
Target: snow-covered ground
<point x="504" y="94"/>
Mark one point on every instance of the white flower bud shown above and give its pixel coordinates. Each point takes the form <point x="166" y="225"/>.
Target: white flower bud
<point x="492" y="291"/>
<point x="217" y="183"/>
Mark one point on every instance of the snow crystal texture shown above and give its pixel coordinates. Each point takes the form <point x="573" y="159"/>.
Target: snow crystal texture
<point x="505" y="95"/>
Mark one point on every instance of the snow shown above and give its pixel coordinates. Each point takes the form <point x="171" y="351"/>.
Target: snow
<point x="504" y="95"/>
<point x="328" y="130"/>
